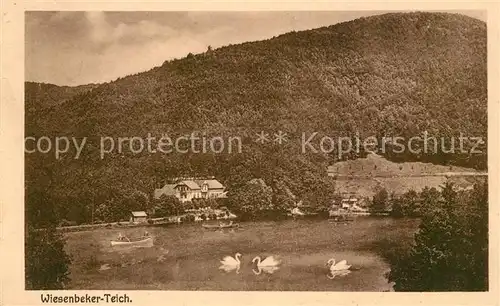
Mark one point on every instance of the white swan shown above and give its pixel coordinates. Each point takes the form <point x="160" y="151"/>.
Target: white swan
<point x="268" y="270"/>
<point x="339" y="266"/>
<point x="230" y="261"/>
<point x="268" y="262"/>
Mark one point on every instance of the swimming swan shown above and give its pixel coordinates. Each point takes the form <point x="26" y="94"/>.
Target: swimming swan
<point x="268" y="262"/>
<point x="341" y="265"/>
<point x="230" y="261"/>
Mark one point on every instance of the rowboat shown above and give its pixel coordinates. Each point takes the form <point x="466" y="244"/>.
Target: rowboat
<point x="219" y="226"/>
<point x="143" y="242"/>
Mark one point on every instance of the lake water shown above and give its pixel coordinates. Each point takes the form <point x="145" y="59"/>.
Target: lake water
<point x="187" y="257"/>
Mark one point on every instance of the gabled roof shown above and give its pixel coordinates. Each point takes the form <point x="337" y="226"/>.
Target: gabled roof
<point x="212" y="184"/>
<point x="168" y="189"/>
<point x="191" y="184"/>
<point x="139" y="214"/>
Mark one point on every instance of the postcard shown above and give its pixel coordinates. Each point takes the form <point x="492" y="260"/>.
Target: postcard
<point x="281" y="153"/>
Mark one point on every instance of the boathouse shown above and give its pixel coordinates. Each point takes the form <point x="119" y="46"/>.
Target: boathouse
<point x="138" y="216"/>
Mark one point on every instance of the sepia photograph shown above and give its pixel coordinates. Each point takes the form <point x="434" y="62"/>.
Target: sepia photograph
<point x="317" y="151"/>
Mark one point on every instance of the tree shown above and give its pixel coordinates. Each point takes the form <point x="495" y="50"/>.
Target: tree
<point x="167" y="205"/>
<point x="208" y="202"/>
<point x="430" y="200"/>
<point x="283" y="198"/>
<point x="104" y="212"/>
<point x="410" y="203"/>
<point x="254" y="196"/>
<point x="46" y="263"/>
<point x="397" y="207"/>
<point x="380" y="200"/>
<point x="450" y="252"/>
<point x="140" y="199"/>
<point x="406" y="205"/>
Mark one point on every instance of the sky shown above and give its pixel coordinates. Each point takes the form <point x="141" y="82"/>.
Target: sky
<point x="75" y="48"/>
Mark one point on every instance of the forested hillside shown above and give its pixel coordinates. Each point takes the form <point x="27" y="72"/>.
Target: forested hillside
<point x="389" y="75"/>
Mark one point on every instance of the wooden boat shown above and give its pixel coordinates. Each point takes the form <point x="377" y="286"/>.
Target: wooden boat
<point x="219" y="226"/>
<point x="142" y="242"/>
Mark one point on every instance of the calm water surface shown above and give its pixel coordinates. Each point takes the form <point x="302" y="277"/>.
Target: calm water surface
<point x="187" y="257"/>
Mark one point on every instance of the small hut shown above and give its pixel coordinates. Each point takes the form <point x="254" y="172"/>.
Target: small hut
<point x="138" y="216"/>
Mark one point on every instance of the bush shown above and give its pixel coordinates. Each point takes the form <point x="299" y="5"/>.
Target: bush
<point x="450" y="252"/>
<point x="167" y="206"/>
<point x="379" y="202"/>
<point x="46" y="262"/>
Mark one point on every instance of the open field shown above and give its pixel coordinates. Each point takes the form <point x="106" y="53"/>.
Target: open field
<point x="365" y="176"/>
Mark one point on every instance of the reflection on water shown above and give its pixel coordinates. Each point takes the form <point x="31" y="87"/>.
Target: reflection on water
<point x="338" y="273"/>
<point x="269" y="261"/>
<point x="268" y="270"/>
<point x="186" y="257"/>
<point x="230" y="268"/>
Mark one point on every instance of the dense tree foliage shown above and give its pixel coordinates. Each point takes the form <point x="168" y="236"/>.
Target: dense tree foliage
<point x="450" y="252"/>
<point x="253" y="197"/>
<point x="408" y="204"/>
<point x="46" y="263"/>
<point x="167" y="206"/>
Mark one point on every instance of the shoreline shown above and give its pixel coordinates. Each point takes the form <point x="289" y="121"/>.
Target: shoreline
<point x="174" y="220"/>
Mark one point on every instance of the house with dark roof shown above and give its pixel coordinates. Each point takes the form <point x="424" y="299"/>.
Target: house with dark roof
<point x="192" y="188"/>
